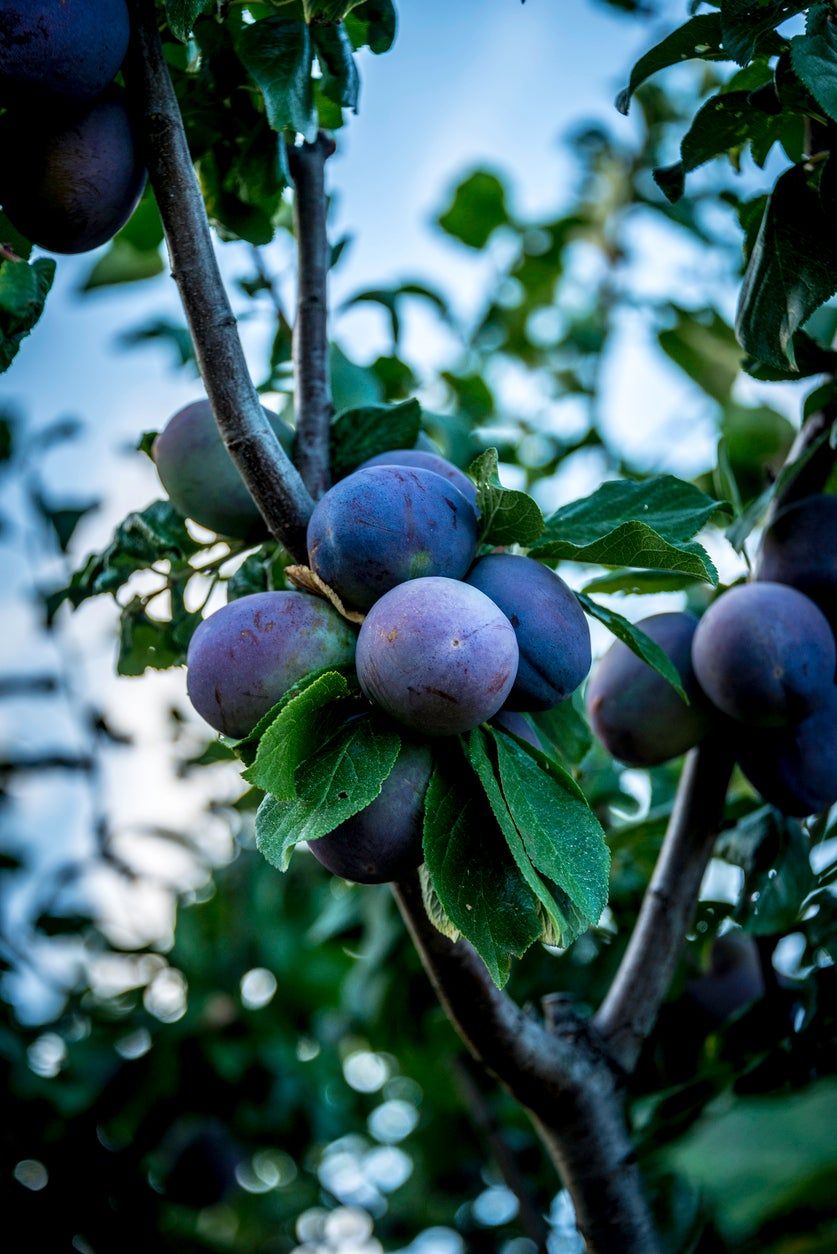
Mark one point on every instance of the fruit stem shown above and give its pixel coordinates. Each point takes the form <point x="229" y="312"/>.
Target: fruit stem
<point x="273" y="481"/>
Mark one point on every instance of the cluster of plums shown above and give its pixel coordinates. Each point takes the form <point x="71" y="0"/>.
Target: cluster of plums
<point x="71" y="174"/>
<point x="758" y="667"/>
<point x="449" y="639"/>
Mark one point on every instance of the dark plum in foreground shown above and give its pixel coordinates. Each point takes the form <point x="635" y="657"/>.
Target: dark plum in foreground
<point x="635" y="713"/>
<point x="382" y="526"/>
<point x="200" y="477"/>
<point x="551" y="629"/>
<point x="245" y="656"/>
<point x="795" y="768"/>
<point x="800" y="549"/>
<point x="425" y="459"/>
<point x="383" y="842"/>
<point x="764" y="654"/>
<point x="437" y="655"/>
<point x="70" y="48"/>
<point x="71" y="177"/>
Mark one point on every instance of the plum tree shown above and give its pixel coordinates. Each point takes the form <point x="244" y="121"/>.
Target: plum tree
<point x="795" y="768"/>
<point x="383" y="842"/>
<point x="200" y="477"/>
<point x="551" y="629"/>
<point x="427" y="459"/>
<point x="437" y="655"/>
<point x="386" y="524"/>
<point x="70" y="177"/>
<point x="635" y="713"/>
<point x="764" y="654"/>
<point x="800" y="549"/>
<point x="245" y="656"/>
<point x="71" y="48"/>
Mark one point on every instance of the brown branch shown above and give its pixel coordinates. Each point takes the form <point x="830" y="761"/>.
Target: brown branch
<point x="274" y="483"/>
<point x="312" y="375"/>
<point x="561" y="1075"/>
<point x="632" y="1004"/>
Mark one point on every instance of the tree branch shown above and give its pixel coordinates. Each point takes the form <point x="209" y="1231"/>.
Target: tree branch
<point x="632" y="1004"/>
<point x="273" y="482"/>
<point x="561" y="1075"/>
<point x="312" y="375"/>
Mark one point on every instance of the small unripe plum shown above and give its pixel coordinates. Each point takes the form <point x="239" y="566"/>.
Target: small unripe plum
<point x="70" y="177"/>
<point x="68" y="48"/>
<point x="427" y="460"/>
<point x="383" y="842"/>
<point x="245" y="656"/>
<point x="635" y="713"/>
<point x="551" y="629"/>
<point x="800" y="549"/>
<point x="382" y="526"/>
<point x="201" y="479"/>
<point x="795" y="768"/>
<point x="437" y="655"/>
<point x="764" y="654"/>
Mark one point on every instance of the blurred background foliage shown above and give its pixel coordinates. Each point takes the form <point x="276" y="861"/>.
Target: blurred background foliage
<point x="263" y="1066"/>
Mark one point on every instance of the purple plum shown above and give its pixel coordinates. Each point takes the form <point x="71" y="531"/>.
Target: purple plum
<point x="795" y="768"/>
<point x="437" y="655"/>
<point x="800" y="549"/>
<point x="379" y="527"/>
<point x="67" y="48"/>
<point x="424" y="459"/>
<point x="245" y="656"/>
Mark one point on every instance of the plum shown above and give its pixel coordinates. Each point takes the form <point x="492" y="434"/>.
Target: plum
<point x="245" y="656"/>
<point x="764" y="654"/>
<point x="795" y="768"/>
<point x="72" y="177"/>
<point x="200" y="477"/>
<point x="800" y="549"/>
<point x="518" y="725"/>
<point x="383" y="842"/>
<point x="386" y="524"/>
<point x="551" y="629"/>
<point x="733" y="981"/>
<point x="437" y="655"/>
<point x="635" y="713"/>
<point x="67" y="48"/>
<point x="427" y="460"/>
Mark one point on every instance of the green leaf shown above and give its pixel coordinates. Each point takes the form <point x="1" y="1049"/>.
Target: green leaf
<point x="477" y="210"/>
<point x="814" y="58"/>
<point x="373" y="24"/>
<point x="473" y="875"/>
<point x="123" y="263"/>
<point x="340" y="81"/>
<point x="391" y="298"/>
<point x="182" y="15"/>
<point x="703" y="345"/>
<point x="295" y="734"/>
<point x="565" y="730"/>
<point x="562" y="923"/>
<point x="147" y="643"/>
<point x="641" y="644"/>
<point x="433" y="907"/>
<point x="506" y="516"/>
<point x="23" y="293"/>
<point x="699" y="37"/>
<point x="726" y="123"/>
<point x="648" y="524"/>
<point x="745" y="23"/>
<point x="358" y="434"/>
<point x="791" y="272"/>
<point x="561" y="834"/>
<point x="279" y="56"/>
<point x="327" y="11"/>
<point x="341" y="780"/>
<point x="639" y="582"/>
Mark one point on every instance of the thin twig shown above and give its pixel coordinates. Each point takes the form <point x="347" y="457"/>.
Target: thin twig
<point x="274" y="483"/>
<point x="312" y="376"/>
